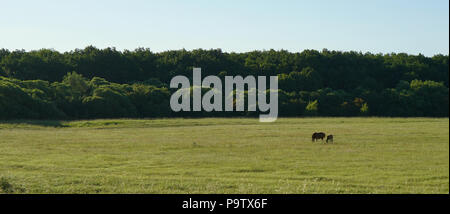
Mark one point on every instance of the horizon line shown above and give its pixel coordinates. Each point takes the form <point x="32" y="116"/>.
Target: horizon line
<point x="122" y="50"/>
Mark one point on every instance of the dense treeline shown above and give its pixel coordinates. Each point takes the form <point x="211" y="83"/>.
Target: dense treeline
<point x="101" y="83"/>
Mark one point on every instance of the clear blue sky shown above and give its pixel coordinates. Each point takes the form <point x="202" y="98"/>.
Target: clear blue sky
<point x="378" y="26"/>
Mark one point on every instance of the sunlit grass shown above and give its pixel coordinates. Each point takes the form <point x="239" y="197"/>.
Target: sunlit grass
<point x="217" y="155"/>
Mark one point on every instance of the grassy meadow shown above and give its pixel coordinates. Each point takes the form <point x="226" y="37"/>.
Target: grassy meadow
<point x="218" y="155"/>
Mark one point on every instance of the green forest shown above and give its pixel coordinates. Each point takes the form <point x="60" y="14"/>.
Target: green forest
<point x="107" y="83"/>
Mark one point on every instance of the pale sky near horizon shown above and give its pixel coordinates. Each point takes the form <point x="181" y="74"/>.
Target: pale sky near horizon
<point x="381" y="26"/>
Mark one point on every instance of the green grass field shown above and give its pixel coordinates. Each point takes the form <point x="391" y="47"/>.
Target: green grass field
<point x="215" y="155"/>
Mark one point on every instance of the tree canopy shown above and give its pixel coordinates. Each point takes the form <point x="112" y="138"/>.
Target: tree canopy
<point x="100" y="83"/>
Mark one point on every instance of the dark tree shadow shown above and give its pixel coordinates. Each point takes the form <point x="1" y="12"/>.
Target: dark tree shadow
<point x="45" y="123"/>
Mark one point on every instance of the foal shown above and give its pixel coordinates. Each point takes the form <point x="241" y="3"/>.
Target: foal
<point x="330" y="138"/>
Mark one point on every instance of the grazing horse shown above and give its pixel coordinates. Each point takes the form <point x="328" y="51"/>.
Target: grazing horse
<point x="318" y="135"/>
<point x="330" y="138"/>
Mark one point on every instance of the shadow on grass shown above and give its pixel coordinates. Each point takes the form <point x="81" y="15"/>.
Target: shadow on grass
<point x="45" y="123"/>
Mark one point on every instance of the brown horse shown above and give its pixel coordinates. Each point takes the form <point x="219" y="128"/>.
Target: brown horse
<point x="318" y="135"/>
<point x="330" y="138"/>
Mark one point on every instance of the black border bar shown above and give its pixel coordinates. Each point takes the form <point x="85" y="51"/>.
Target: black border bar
<point x="271" y="202"/>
